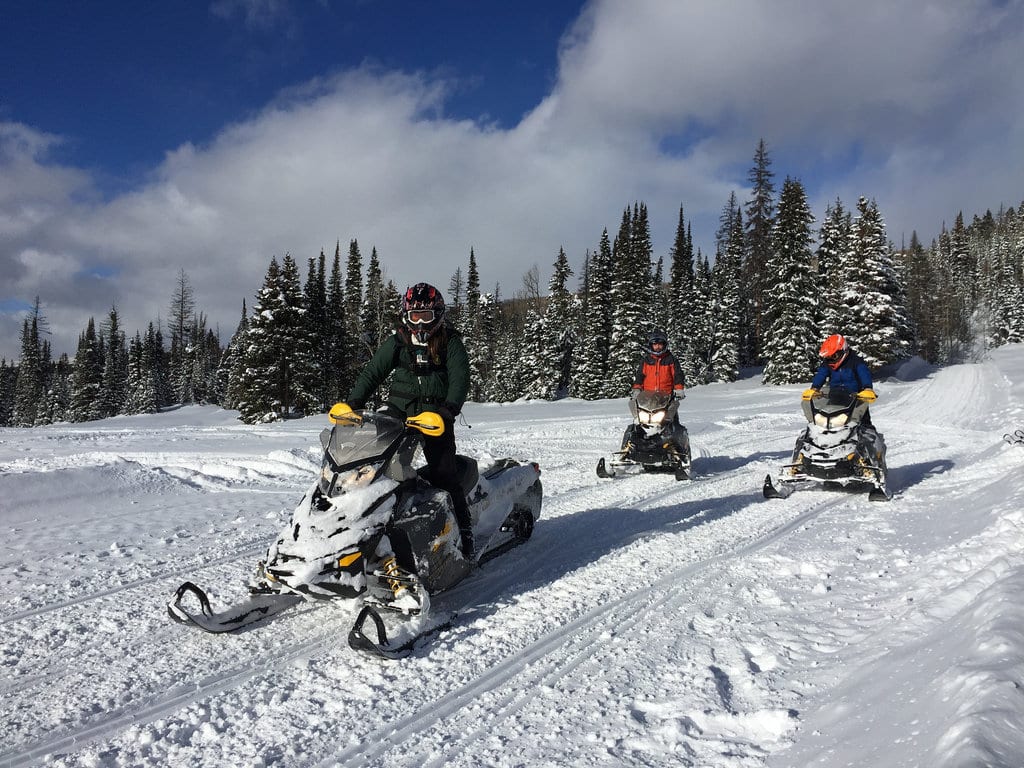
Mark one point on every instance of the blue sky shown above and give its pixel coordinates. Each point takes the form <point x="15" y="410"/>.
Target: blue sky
<point x="139" y="139"/>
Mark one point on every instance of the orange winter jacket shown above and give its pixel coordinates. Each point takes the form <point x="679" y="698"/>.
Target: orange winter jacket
<point x="661" y="374"/>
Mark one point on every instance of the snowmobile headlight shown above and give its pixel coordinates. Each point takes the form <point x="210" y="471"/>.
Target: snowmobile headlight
<point x="839" y="420"/>
<point x="358" y="477"/>
<point x="821" y="420"/>
<point x="651" y="417"/>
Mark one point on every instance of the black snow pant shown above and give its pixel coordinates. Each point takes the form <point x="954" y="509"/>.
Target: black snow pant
<point x="440" y="455"/>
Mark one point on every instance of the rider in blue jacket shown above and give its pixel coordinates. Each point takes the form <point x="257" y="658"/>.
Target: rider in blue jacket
<point x="843" y="369"/>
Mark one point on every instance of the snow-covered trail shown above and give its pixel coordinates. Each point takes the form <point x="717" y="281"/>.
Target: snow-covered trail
<point x="648" y="622"/>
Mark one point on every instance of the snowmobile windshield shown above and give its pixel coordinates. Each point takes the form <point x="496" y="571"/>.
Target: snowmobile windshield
<point x="365" y="442"/>
<point x="650" y="400"/>
<point x="838" y="396"/>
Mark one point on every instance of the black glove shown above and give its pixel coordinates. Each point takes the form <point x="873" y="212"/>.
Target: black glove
<point x="453" y="408"/>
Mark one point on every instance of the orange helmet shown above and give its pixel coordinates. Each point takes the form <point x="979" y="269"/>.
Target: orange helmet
<point x="834" y="350"/>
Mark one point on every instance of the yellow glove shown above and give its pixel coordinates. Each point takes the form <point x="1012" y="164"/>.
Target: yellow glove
<point x="341" y="413"/>
<point x="867" y="395"/>
<point x="809" y="393"/>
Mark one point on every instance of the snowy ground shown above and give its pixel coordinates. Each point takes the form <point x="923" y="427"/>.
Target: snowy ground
<point x="647" y="623"/>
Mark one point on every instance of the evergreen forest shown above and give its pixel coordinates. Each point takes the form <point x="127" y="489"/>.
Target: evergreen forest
<point x="779" y="280"/>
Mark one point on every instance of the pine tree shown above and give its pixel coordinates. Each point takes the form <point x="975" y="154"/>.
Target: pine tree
<point x="278" y="378"/>
<point x="28" y="390"/>
<point x="727" y="307"/>
<point x="115" y="367"/>
<point x="874" y="294"/>
<point x="341" y="368"/>
<point x="8" y="382"/>
<point x="630" y="292"/>
<point x="87" y="378"/>
<point x="680" y="325"/>
<point x="835" y="250"/>
<point x="595" y="333"/>
<point x="180" y="325"/>
<point x="790" y="298"/>
<point x="142" y="386"/>
<point x="760" y="212"/>
<point x="360" y="349"/>
<point x="232" y="364"/>
<point x="315" y="294"/>
<point x="704" y="324"/>
<point x="474" y="333"/>
<point x="557" y="333"/>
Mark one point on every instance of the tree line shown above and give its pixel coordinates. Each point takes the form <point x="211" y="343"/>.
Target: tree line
<point x="778" y="281"/>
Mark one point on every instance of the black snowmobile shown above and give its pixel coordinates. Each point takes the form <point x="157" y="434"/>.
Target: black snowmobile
<point x="654" y="442"/>
<point x="372" y="527"/>
<point x="837" y="448"/>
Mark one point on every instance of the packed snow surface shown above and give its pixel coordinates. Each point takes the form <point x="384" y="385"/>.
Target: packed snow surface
<point x="648" y="622"/>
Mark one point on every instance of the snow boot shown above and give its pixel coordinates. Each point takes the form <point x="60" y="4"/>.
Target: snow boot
<point x="468" y="544"/>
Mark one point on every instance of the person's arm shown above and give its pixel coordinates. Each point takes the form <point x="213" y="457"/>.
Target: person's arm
<point x="457" y="362"/>
<point x="819" y="378"/>
<point x="678" y="377"/>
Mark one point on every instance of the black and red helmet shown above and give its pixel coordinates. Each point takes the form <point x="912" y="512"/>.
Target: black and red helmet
<point x="422" y="311"/>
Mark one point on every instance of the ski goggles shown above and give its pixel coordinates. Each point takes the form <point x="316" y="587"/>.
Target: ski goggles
<point x="835" y="357"/>
<point x="419" y="316"/>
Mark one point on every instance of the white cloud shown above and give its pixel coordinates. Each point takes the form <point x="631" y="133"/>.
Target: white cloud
<point x="655" y="101"/>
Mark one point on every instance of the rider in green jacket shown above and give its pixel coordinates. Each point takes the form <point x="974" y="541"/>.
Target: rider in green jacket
<point x="431" y="374"/>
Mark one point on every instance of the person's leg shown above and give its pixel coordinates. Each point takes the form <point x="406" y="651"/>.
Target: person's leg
<point x="440" y="455"/>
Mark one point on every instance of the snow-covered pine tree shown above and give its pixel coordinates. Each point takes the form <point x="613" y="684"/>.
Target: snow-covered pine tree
<point x="791" y="292"/>
<point x="760" y="210"/>
<point x="359" y="350"/>
<point x="232" y="363"/>
<point x="534" y="371"/>
<point x="874" y="292"/>
<point x="87" y="378"/>
<point x="341" y="367"/>
<point x="631" y="301"/>
<point x="277" y="379"/>
<point x="28" y="389"/>
<point x="141" y="385"/>
<point x="57" y="398"/>
<point x="371" y="315"/>
<point x="681" y="322"/>
<point x="474" y="327"/>
<point x="704" y="322"/>
<point x="315" y="296"/>
<point x="835" y="248"/>
<point x="8" y="382"/>
<point x="180" y="326"/>
<point x="727" y="300"/>
<point x="558" y="338"/>
<point x="115" y="367"/>
<point x="591" y="377"/>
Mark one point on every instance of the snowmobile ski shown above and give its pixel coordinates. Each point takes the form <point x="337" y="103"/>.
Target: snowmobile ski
<point x="396" y="647"/>
<point x="772" y="491"/>
<point x="258" y="606"/>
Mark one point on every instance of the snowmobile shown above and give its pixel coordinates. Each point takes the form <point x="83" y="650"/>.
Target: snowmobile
<point x="654" y="442"/>
<point x="836" y="449"/>
<point x="373" y="528"/>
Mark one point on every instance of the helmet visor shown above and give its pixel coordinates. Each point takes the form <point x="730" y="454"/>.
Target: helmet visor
<point x="419" y="316"/>
<point x="836" y="357"/>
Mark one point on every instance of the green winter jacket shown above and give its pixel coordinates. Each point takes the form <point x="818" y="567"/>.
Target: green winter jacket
<point x="421" y="386"/>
